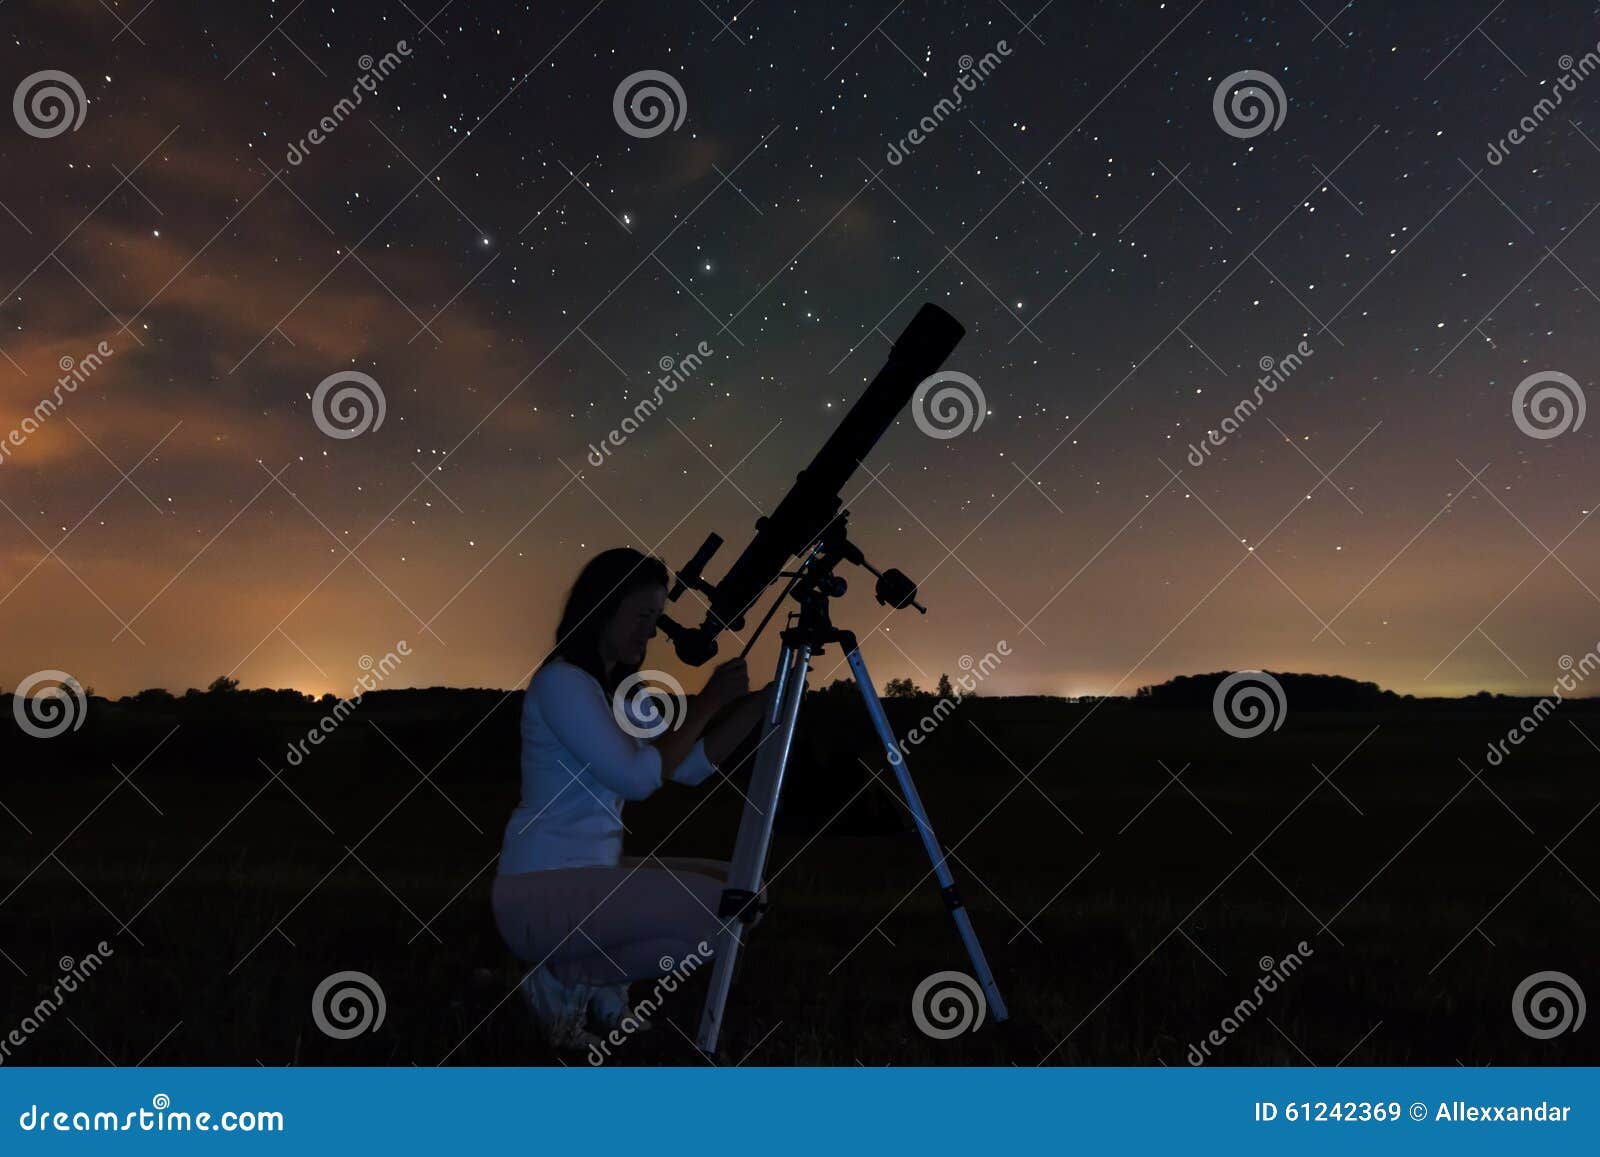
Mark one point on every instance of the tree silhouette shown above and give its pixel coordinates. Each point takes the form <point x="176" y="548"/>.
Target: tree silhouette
<point x="944" y="690"/>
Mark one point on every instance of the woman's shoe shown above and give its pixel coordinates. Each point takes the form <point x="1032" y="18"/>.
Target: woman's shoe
<point x="560" y="1009"/>
<point x="608" y="1005"/>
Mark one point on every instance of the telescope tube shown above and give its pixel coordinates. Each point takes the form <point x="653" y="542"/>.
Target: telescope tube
<point x="814" y="499"/>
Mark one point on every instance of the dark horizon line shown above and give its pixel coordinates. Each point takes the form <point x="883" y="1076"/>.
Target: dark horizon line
<point x="313" y="697"/>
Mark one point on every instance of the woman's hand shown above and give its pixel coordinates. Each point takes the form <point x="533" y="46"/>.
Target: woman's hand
<point x="734" y="724"/>
<point x="728" y="682"/>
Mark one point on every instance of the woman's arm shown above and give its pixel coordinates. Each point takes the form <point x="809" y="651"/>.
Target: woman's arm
<point x="721" y="739"/>
<point x="579" y="715"/>
<point x="728" y="682"/>
<point x="576" y="710"/>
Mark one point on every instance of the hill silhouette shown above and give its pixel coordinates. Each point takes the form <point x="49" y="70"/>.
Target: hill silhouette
<point x="1303" y="692"/>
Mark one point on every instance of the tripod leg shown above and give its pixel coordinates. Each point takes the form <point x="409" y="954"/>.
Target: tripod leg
<point x="755" y="833"/>
<point x="947" y="885"/>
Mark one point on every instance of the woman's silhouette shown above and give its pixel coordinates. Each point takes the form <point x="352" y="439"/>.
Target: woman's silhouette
<point x="565" y="899"/>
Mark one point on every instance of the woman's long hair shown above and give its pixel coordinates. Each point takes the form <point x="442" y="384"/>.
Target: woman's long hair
<point x="606" y="579"/>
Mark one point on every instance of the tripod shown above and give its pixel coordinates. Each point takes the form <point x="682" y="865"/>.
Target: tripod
<point x="813" y="587"/>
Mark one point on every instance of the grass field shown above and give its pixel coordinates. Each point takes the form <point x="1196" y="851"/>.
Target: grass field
<point x="1126" y="915"/>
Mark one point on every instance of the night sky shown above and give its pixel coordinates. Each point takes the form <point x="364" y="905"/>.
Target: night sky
<point x="483" y="238"/>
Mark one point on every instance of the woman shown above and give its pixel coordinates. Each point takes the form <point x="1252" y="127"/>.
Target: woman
<point x="564" y="899"/>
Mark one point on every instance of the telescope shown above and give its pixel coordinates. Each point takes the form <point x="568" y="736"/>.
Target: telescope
<point x="809" y="524"/>
<point x="812" y="508"/>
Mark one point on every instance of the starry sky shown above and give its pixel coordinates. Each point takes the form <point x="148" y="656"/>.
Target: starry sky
<point x="484" y="239"/>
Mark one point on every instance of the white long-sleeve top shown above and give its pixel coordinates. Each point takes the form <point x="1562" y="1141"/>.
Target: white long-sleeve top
<point x="578" y="767"/>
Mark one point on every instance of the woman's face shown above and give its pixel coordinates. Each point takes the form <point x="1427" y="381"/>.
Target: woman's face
<point x="633" y="626"/>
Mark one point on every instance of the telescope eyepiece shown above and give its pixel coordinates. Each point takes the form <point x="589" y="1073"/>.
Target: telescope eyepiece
<point x="694" y="647"/>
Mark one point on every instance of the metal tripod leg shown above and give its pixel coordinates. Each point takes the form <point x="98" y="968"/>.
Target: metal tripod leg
<point x="947" y="886"/>
<point x="755" y="832"/>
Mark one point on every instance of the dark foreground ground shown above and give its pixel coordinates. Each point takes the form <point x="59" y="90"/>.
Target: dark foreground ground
<point x="1126" y="915"/>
